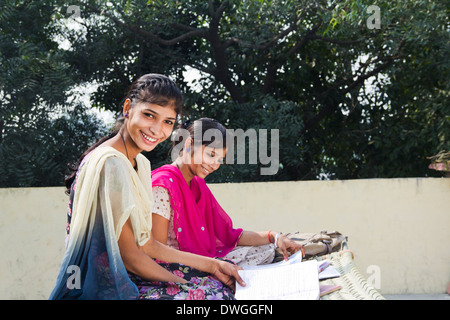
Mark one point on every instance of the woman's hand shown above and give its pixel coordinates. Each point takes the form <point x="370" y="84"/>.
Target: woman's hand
<point x="288" y="246"/>
<point x="227" y="273"/>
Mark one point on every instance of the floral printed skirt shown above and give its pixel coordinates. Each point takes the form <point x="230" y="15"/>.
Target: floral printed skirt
<point x="201" y="285"/>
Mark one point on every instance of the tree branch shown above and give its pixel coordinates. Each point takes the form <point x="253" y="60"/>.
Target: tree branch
<point x="304" y="40"/>
<point x="221" y="72"/>
<point x="193" y="32"/>
<point x="272" y="68"/>
<point x="171" y="42"/>
<point x="337" y="41"/>
<point x="359" y="81"/>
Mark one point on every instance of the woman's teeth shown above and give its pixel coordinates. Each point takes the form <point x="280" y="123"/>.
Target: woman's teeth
<point x="152" y="140"/>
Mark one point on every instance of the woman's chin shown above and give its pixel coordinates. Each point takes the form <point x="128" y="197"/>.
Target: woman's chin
<point x="148" y="148"/>
<point x="202" y="173"/>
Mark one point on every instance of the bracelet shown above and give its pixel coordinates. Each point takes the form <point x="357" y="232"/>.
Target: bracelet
<point x="268" y="236"/>
<point x="276" y="239"/>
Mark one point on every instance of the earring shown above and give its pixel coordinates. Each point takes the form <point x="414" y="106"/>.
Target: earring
<point x="188" y="149"/>
<point x="125" y="115"/>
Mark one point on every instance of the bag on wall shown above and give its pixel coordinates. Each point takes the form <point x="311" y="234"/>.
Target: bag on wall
<point x="315" y="244"/>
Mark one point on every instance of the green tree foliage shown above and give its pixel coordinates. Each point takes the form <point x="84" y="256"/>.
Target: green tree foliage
<point x="349" y="100"/>
<point x="40" y="131"/>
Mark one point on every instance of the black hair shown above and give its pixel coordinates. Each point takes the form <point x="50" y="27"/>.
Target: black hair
<point x="197" y="129"/>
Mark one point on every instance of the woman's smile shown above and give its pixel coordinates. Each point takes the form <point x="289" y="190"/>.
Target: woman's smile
<point x="205" y="171"/>
<point x="148" y="139"/>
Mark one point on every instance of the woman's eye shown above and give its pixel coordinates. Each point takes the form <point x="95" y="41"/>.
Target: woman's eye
<point x="149" y="115"/>
<point x="169" y="122"/>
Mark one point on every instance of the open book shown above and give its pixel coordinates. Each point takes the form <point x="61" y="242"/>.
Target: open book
<point x="327" y="271"/>
<point x="285" y="280"/>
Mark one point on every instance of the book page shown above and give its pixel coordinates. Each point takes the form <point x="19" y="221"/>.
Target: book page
<point x="281" y="281"/>
<point x="329" y="272"/>
<point x="295" y="258"/>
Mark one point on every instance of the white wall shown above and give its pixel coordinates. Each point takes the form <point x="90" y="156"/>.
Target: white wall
<point x="32" y="228"/>
<point x="398" y="229"/>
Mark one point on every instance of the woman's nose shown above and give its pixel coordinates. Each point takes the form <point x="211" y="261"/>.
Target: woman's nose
<point x="155" y="128"/>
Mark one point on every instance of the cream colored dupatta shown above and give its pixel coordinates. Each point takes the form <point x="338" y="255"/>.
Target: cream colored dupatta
<point x="108" y="193"/>
<point x="139" y="197"/>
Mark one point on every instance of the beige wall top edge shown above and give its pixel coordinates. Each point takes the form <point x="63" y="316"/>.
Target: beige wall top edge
<point x="337" y="180"/>
<point x="445" y="180"/>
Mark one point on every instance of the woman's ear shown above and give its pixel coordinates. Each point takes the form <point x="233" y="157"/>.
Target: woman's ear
<point x="187" y="151"/>
<point x="188" y="144"/>
<point x="126" y="108"/>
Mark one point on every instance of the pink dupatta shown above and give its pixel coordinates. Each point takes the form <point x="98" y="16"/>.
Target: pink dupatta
<point x="200" y="224"/>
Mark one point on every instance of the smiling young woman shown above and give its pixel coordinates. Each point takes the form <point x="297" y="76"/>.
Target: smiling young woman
<point x="186" y="215"/>
<point x="109" y="241"/>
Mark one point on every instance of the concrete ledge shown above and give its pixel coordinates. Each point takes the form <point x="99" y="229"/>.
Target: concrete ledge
<point x="442" y="296"/>
<point x="398" y="229"/>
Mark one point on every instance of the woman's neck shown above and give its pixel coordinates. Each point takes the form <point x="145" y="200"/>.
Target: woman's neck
<point x="185" y="171"/>
<point x="121" y="144"/>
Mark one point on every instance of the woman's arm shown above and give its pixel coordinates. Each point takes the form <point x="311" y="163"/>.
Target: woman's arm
<point x="162" y="213"/>
<point x="116" y="194"/>
<point x="160" y="228"/>
<point x="138" y="262"/>
<point x="224" y="271"/>
<point x="156" y="248"/>
<point x="252" y="238"/>
<point x="286" y="245"/>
